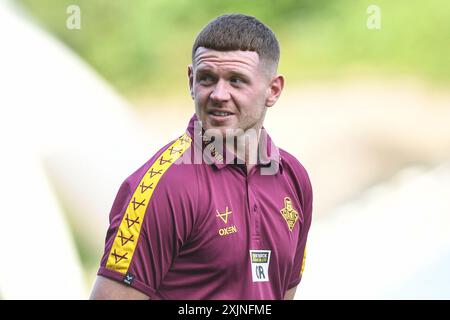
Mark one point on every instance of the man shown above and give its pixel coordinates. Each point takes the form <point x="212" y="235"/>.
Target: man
<point x="233" y="225"/>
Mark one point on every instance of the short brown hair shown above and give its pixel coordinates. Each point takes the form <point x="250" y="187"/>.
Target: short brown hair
<point x="239" y="32"/>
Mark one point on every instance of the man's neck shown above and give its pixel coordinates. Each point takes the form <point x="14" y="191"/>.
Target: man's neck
<point x="245" y="147"/>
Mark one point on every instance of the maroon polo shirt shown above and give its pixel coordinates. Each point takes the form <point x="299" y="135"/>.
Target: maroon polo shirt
<point x="210" y="230"/>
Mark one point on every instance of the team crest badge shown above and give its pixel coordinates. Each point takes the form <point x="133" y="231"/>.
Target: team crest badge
<point x="289" y="214"/>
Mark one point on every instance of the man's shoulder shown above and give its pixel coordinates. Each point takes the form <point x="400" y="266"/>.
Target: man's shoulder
<point x="291" y="162"/>
<point x="294" y="168"/>
<point x="166" y="167"/>
<point x="299" y="177"/>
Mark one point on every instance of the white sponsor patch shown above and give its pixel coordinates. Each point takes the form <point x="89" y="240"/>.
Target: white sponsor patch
<point x="260" y="260"/>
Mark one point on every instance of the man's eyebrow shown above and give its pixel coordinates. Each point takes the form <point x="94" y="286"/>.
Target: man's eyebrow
<point x="231" y="72"/>
<point x="204" y="69"/>
<point x="238" y="73"/>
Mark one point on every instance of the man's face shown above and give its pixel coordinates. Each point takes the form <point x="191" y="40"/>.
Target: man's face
<point x="230" y="89"/>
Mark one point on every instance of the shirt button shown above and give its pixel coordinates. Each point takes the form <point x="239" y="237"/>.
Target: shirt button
<point x="255" y="207"/>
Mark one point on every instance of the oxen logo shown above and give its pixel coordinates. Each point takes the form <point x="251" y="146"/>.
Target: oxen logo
<point x="224" y="217"/>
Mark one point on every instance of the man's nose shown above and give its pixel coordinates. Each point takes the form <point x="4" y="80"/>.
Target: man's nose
<point x="220" y="92"/>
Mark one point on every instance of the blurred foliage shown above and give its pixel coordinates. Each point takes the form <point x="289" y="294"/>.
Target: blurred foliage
<point x="143" y="46"/>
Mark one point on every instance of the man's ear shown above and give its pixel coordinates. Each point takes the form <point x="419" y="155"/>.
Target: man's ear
<point x="274" y="90"/>
<point x="191" y="80"/>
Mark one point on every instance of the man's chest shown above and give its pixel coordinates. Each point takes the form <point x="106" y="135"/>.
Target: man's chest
<point x="243" y="216"/>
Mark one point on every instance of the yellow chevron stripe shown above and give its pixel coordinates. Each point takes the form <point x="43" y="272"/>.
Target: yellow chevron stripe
<point x="127" y="236"/>
<point x="303" y="262"/>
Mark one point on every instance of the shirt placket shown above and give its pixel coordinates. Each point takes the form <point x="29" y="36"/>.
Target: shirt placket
<point x="254" y="212"/>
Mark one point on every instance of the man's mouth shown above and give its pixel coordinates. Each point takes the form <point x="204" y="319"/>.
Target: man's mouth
<point x="220" y="113"/>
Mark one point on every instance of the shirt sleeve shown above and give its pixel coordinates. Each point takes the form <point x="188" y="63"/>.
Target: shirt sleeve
<point x="150" y="220"/>
<point x="306" y="196"/>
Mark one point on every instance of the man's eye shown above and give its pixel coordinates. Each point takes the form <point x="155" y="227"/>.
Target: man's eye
<point x="236" y="80"/>
<point x="206" y="78"/>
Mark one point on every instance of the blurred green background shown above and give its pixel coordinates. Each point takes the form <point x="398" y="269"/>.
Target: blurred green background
<point x="143" y="47"/>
